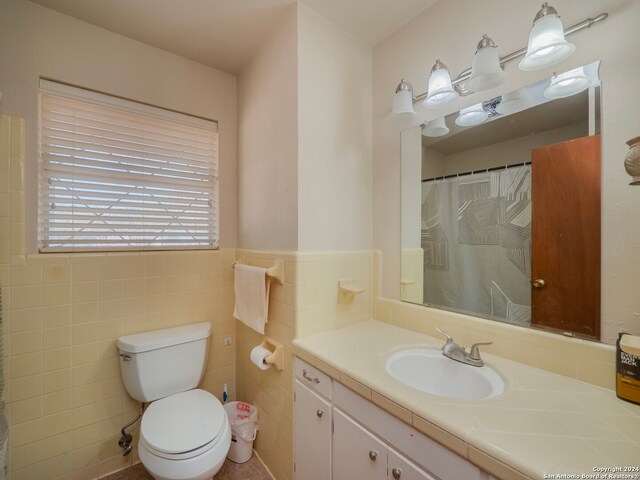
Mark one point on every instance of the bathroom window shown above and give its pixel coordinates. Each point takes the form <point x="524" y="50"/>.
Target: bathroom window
<point x="120" y="175"/>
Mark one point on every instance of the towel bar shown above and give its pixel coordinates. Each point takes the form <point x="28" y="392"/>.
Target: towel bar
<point x="276" y="271"/>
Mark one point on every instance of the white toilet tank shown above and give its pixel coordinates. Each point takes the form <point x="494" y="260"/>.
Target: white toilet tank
<point x="159" y="363"/>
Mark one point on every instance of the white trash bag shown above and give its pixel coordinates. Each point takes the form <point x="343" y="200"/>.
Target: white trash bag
<point x="243" y="418"/>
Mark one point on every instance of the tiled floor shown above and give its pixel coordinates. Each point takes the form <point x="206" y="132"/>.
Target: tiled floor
<point x="252" y="470"/>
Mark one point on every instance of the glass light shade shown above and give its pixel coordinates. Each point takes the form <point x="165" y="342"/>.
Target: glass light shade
<point x="435" y="128"/>
<point x="547" y="45"/>
<point x="403" y="104"/>
<point x="567" y="84"/>
<point x="515" y="101"/>
<point x="440" y="90"/>
<point x="485" y="70"/>
<point x="472" y="115"/>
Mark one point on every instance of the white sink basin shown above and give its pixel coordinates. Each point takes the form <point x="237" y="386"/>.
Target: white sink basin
<point x="428" y="370"/>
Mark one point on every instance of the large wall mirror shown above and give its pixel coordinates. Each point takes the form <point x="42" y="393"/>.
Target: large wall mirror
<point x="501" y="209"/>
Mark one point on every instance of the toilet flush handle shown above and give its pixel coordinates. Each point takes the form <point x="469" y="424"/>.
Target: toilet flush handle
<point x="125" y="357"/>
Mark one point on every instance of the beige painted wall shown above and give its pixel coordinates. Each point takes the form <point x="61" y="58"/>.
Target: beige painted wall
<point x="449" y="31"/>
<point x="38" y="42"/>
<point x="268" y="143"/>
<point x="335" y="174"/>
<point x="305" y="161"/>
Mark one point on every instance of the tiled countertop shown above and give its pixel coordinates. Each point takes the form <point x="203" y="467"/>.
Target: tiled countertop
<point x="544" y="423"/>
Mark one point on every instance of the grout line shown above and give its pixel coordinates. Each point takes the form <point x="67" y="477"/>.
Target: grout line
<point x="264" y="465"/>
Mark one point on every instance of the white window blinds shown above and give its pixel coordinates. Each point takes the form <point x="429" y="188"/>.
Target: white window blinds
<point x="118" y="175"/>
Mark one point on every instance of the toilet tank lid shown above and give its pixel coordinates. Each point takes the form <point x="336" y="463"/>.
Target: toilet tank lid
<point x="145" y="341"/>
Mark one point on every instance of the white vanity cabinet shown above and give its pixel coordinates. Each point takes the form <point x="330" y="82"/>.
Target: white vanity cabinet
<point x="354" y="439"/>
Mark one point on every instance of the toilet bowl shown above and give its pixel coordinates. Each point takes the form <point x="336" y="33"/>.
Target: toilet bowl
<point x="185" y="436"/>
<point x="184" y="432"/>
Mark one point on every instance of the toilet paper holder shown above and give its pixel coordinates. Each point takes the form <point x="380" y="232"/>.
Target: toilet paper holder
<point x="277" y="356"/>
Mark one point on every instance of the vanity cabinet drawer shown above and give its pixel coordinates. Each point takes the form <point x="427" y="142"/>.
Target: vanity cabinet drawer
<point x="312" y="378"/>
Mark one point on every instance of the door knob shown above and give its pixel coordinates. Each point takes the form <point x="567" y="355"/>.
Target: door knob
<point x="538" y="283"/>
<point x="319" y="413"/>
<point x="373" y="455"/>
<point x="397" y="473"/>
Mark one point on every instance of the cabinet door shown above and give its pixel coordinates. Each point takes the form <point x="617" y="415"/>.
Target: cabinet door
<point x="357" y="455"/>
<point x="402" y="469"/>
<point x="311" y="435"/>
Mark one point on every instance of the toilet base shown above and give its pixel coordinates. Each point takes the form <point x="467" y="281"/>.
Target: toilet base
<point x="201" y="467"/>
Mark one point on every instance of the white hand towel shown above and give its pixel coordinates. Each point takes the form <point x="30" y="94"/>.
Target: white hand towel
<point x="251" y="285"/>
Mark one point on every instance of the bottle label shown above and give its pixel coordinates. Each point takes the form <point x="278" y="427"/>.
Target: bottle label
<point x="627" y="374"/>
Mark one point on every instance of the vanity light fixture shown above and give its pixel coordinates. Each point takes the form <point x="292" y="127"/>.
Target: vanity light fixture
<point x="440" y="90"/>
<point x="515" y="101"/>
<point x="486" y="72"/>
<point x="435" y="128"/>
<point x="473" y="115"/>
<point x="403" y="100"/>
<point x="547" y="45"/>
<point x="567" y="84"/>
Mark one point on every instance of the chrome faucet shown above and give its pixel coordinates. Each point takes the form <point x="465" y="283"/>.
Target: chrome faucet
<point x="459" y="354"/>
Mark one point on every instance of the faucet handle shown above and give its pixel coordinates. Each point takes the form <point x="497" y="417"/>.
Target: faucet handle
<point x="474" y="353"/>
<point x="449" y="339"/>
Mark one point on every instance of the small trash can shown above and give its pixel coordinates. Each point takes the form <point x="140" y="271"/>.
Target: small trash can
<point x="243" y="418"/>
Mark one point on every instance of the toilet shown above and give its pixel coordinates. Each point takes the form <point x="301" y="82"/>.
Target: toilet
<point x="184" y="432"/>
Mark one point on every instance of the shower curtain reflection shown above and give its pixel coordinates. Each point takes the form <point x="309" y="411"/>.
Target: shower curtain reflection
<point x="476" y="237"/>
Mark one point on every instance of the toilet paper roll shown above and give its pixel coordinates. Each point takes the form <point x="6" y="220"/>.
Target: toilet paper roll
<point x="258" y="354"/>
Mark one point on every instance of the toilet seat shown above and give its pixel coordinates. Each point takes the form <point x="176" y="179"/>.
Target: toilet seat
<point x="183" y="425"/>
<point x="200" y="467"/>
